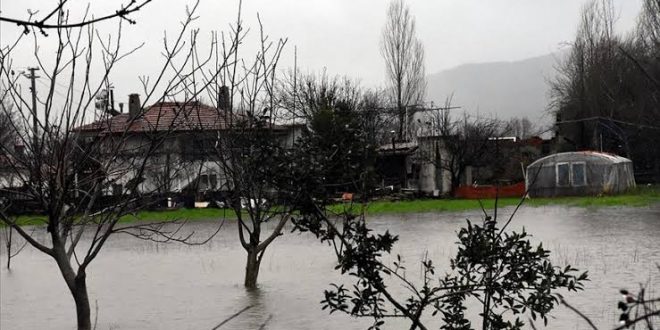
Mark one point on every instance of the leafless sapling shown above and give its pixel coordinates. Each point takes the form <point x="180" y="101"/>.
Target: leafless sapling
<point x="404" y="63"/>
<point x="72" y="155"/>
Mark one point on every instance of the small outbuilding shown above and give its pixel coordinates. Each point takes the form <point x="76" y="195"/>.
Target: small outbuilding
<point x="579" y="173"/>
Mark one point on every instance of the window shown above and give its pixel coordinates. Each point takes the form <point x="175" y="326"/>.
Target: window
<point x="562" y="175"/>
<point x="117" y="190"/>
<point x="578" y="174"/>
<point x="203" y="182"/>
<point x="213" y="181"/>
<point x="571" y="174"/>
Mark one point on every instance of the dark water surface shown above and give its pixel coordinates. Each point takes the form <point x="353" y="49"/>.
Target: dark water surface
<point x="144" y="285"/>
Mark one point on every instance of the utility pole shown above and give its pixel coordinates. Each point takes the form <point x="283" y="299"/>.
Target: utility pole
<point x="35" y="122"/>
<point x="295" y="95"/>
<point x="295" y="77"/>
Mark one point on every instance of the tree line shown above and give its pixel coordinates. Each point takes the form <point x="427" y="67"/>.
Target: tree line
<point x="606" y="94"/>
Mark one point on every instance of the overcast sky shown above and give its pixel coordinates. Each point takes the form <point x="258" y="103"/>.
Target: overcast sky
<point x="343" y="35"/>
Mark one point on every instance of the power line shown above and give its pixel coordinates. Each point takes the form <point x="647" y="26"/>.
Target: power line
<point x="608" y="119"/>
<point x="43" y="84"/>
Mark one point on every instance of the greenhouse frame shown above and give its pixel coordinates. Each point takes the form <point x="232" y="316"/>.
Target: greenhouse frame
<point x="579" y="173"/>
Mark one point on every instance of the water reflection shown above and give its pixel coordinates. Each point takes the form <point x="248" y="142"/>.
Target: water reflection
<point x="143" y="285"/>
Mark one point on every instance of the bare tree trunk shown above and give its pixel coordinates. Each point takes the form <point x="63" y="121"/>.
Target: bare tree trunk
<point x="401" y="114"/>
<point x="252" y="268"/>
<point x="10" y="229"/>
<point x="77" y="285"/>
<point x="81" y="298"/>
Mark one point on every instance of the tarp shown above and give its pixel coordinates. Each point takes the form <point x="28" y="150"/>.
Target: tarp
<point x="483" y="192"/>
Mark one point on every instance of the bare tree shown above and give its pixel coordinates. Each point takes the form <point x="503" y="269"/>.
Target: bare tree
<point x="69" y="163"/>
<point x="376" y="121"/>
<point x="9" y="137"/>
<point x="252" y="154"/>
<point x="12" y="246"/>
<point x="648" y="29"/>
<point x="404" y="62"/>
<point x="606" y="93"/>
<point x="8" y="133"/>
<point x="302" y="95"/>
<point x="522" y="127"/>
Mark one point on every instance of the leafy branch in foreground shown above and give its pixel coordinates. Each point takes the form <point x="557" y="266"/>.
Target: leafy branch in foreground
<point x="506" y="274"/>
<point x="501" y="272"/>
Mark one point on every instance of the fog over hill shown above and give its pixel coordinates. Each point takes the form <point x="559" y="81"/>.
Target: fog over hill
<point x="503" y="89"/>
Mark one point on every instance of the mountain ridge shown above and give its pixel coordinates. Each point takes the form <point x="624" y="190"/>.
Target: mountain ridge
<point x="504" y="89"/>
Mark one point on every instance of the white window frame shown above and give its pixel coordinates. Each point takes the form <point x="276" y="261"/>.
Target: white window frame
<point x="572" y="179"/>
<point x="557" y="174"/>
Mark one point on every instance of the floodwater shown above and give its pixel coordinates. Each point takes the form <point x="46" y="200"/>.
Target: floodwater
<point x="144" y="285"/>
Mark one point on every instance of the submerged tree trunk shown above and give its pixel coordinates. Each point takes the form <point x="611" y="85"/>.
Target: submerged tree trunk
<point x="10" y="229"/>
<point x="77" y="285"/>
<point x="82" y="303"/>
<point x="252" y="268"/>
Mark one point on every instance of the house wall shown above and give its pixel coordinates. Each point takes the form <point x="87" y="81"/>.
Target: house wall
<point x="168" y="169"/>
<point x="427" y="175"/>
<point x="293" y="133"/>
<point x="432" y="177"/>
<point x="178" y="164"/>
<point x="11" y="179"/>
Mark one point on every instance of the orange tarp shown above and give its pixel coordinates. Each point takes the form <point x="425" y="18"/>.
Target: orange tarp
<point x="482" y="192"/>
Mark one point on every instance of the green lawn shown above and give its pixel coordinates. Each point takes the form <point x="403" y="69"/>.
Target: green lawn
<point x="435" y="205"/>
<point x="640" y="197"/>
<point x="181" y="214"/>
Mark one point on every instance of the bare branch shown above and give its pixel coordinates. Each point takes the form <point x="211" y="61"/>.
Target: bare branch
<point x="42" y="24"/>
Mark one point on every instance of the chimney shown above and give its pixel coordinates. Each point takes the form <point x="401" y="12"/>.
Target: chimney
<point x="112" y="100"/>
<point x="134" y="106"/>
<point x="223" y="98"/>
<point x="121" y="107"/>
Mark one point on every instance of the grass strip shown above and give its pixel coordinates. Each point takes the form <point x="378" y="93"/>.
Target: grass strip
<point x="639" y="197"/>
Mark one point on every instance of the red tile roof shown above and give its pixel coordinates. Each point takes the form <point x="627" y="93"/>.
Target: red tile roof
<point x="163" y="116"/>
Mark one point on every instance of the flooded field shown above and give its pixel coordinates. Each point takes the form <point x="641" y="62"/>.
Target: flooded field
<point x="143" y="285"/>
